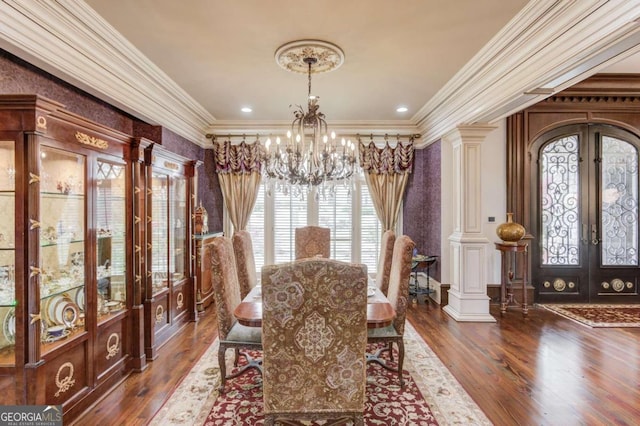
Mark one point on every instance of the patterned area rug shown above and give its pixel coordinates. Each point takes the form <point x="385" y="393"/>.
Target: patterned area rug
<point x="432" y="396"/>
<point x="594" y="315"/>
<point x="386" y="404"/>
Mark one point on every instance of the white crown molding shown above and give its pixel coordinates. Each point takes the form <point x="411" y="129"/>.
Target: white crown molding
<point x="547" y="47"/>
<point x="68" y="39"/>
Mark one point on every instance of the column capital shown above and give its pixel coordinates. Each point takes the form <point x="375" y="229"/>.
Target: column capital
<point x="471" y="133"/>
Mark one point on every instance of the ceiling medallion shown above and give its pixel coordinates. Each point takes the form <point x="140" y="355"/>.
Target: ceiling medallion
<point x="291" y="56"/>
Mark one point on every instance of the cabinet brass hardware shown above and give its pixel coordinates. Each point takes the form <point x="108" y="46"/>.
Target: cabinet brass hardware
<point x="34" y="224"/>
<point x="149" y="191"/>
<point x="136" y="189"/>
<point x="136" y="219"/>
<point x="34" y="271"/>
<point x="35" y="318"/>
<point x="138" y="278"/>
<point x="33" y="178"/>
<point x="41" y="122"/>
<point x="85" y="139"/>
<point x="148" y="246"/>
<point x="159" y="312"/>
<point x="113" y="345"/>
<point x="148" y="274"/>
<point x="193" y="257"/>
<point x="193" y="216"/>
<point x="138" y="248"/>
<point x="149" y="219"/>
<point x="594" y="234"/>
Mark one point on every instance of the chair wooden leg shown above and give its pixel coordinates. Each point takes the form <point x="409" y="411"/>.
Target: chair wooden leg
<point x="400" y="343"/>
<point x="358" y="420"/>
<point x="235" y="359"/>
<point x="223" y="367"/>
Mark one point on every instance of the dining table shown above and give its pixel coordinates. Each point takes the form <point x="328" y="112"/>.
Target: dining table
<point x="380" y="312"/>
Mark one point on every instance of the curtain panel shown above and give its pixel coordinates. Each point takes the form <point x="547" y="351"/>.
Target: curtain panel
<point x="239" y="170"/>
<point x="386" y="171"/>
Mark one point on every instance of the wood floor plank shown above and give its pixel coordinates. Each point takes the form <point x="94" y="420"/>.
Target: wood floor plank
<point x="545" y="370"/>
<point x="141" y="396"/>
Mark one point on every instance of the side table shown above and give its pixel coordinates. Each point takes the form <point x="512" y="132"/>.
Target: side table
<point x="420" y="261"/>
<point x="202" y="271"/>
<point x="509" y="256"/>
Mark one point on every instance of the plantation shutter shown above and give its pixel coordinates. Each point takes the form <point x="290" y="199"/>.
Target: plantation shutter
<point x="256" y="227"/>
<point x="370" y="229"/>
<point x="335" y="213"/>
<point x="289" y="213"/>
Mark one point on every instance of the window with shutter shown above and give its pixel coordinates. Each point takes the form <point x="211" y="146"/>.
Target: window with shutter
<point x="355" y="229"/>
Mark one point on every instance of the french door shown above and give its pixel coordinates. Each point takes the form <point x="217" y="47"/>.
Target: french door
<point x="585" y="210"/>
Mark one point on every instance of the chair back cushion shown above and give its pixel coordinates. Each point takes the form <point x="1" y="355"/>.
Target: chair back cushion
<point x="314" y="326"/>
<point x="245" y="262"/>
<point x="398" y="294"/>
<point x="313" y="241"/>
<point x="224" y="281"/>
<point x="384" y="261"/>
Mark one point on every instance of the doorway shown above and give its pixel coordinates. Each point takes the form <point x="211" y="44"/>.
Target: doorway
<point x="584" y="214"/>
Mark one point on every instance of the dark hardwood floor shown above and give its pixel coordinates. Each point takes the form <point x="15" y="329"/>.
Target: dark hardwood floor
<point x="545" y="370"/>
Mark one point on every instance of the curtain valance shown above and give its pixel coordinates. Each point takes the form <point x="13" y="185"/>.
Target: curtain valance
<point x="239" y="159"/>
<point x="386" y="160"/>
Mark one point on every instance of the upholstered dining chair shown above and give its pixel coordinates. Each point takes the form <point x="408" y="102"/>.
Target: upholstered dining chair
<point x="398" y="296"/>
<point x="384" y="260"/>
<point x="245" y="261"/>
<point x="314" y="339"/>
<point x="313" y="241"/>
<point x="226" y="295"/>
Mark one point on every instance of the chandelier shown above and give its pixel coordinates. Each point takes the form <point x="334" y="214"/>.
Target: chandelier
<point x="310" y="156"/>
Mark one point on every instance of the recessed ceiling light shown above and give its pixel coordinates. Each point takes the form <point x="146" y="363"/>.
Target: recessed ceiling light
<point x="246" y="109"/>
<point x="402" y="109"/>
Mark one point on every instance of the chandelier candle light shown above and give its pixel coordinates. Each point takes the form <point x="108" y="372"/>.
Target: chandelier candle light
<point x="311" y="157"/>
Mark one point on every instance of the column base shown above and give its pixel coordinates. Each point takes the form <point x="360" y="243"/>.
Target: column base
<point x="468" y="308"/>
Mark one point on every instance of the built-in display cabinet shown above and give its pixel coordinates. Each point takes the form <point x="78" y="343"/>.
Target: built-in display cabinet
<point x="95" y="253"/>
<point x="170" y="197"/>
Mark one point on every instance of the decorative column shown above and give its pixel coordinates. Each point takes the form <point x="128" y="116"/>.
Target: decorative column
<point x="468" y="300"/>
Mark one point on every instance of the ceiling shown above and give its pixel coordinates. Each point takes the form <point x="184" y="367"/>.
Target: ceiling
<point x="222" y="52"/>
<point x="192" y="65"/>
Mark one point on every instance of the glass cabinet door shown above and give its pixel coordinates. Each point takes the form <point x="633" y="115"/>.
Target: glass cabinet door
<point x="62" y="248"/>
<point x="110" y="236"/>
<point x="178" y="243"/>
<point x="7" y="254"/>
<point x="159" y="234"/>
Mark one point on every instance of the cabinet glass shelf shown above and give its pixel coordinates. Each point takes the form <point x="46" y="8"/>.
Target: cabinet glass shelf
<point x="62" y="242"/>
<point x="55" y="244"/>
<point x="62" y="195"/>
